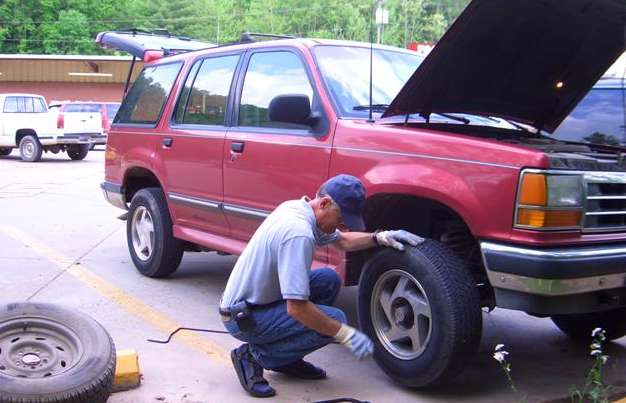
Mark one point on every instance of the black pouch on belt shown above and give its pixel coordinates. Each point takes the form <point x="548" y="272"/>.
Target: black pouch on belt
<point x="242" y="313"/>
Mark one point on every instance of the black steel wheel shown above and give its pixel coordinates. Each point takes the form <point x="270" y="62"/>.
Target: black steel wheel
<point x="151" y="243"/>
<point x="52" y="354"/>
<point x="78" y="152"/>
<point x="30" y="148"/>
<point x="422" y="310"/>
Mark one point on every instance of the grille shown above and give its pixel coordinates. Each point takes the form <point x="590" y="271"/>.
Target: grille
<point x="605" y="204"/>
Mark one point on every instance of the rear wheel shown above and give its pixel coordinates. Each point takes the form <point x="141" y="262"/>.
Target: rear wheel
<point x="30" y="149"/>
<point x="153" y="248"/>
<point x="78" y="152"/>
<point x="422" y="310"/>
<point x="51" y="354"/>
<point x="580" y="326"/>
<point x="5" y="151"/>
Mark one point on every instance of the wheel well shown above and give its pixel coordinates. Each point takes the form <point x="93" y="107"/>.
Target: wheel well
<point x="21" y="133"/>
<point x="137" y="179"/>
<point x="426" y="218"/>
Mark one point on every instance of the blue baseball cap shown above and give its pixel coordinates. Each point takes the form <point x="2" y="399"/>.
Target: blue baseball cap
<point x="348" y="193"/>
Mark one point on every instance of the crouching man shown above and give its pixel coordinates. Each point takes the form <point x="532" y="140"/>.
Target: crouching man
<point x="277" y="306"/>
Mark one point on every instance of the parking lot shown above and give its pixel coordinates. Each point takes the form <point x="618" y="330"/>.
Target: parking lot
<point x="61" y="242"/>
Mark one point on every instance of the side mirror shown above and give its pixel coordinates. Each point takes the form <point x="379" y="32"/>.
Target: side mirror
<point x="291" y="108"/>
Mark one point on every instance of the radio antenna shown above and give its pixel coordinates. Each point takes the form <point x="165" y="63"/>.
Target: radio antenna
<point x="370" y="120"/>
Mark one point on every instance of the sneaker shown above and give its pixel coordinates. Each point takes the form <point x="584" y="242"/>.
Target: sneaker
<point x="250" y="373"/>
<point x="302" y="369"/>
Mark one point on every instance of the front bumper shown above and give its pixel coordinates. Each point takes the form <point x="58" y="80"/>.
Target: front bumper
<point x="114" y="194"/>
<point x="556" y="280"/>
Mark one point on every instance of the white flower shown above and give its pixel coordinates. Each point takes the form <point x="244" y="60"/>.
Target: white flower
<point x="596" y="346"/>
<point x="595" y="352"/>
<point x="499" y="347"/>
<point x="604" y="358"/>
<point x="597" y="331"/>
<point x="500" y="356"/>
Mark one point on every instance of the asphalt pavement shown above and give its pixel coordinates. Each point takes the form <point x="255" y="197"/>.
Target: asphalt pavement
<point x="61" y="242"/>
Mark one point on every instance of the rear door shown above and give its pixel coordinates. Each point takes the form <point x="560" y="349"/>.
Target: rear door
<point x="267" y="162"/>
<point x="192" y="147"/>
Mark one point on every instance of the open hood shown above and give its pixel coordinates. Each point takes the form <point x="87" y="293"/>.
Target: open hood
<point x="137" y="42"/>
<point x="527" y="60"/>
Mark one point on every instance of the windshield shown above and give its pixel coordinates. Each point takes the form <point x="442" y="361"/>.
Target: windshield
<point x="346" y="71"/>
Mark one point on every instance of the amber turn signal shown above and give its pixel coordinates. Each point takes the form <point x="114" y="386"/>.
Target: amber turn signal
<point x="548" y="218"/>
<point x="533" y="191"/>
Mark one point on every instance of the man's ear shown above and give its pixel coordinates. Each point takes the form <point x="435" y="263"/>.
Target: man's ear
<point x="325" y="201"/>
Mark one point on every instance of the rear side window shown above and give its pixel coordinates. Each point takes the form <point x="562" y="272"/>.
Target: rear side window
<point x="39" y="105"/>
<point x="81" y="108"/>
<point x="271" y="74"/>
<point x="10" y="105"/>
<point x="206" y="104"/>
<point x="146" y="99"/>
<point x="598" y="118"/>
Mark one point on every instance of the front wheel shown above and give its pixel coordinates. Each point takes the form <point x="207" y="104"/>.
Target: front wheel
<point x="30" y="149"/>
<point x="422" y="310"/>
<point x="153" y="248"/>
<point x="78" y="152"/>
<point x="580" y="326"/>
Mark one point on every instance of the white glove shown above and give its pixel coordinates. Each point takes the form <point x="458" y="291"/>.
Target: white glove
<point x="356" y="341"/>
<point x="394" y="239"/>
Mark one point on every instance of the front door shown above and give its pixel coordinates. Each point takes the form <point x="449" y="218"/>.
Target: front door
<point x="267" y="162"/>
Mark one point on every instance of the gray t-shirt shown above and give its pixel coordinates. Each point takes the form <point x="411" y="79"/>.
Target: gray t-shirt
<point x="276" y="262"/>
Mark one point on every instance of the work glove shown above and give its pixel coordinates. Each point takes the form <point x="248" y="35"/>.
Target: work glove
<point x="395" y="239"/>
<point x="357" y="342"/>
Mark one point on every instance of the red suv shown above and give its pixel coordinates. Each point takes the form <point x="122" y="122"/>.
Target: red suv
<point x="452" y="147"/>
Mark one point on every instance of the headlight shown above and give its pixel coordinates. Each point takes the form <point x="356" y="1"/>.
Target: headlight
<point x="549" y="201"/>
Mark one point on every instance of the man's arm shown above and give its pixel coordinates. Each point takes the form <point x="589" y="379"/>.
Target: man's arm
<point x="305" y="312"/>
<point x="352" y="241"/>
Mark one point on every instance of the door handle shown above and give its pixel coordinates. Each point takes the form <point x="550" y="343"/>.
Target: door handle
<point x="237" y="146"/>
<point x="168" y="141"/>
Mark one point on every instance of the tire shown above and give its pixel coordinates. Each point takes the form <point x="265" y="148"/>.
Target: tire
<point x="434" y="279"/>
<point x="78" y="152"/>
<point x="158" y="254"/>
<point x="580" y="326"/>
<point x="52" y="354"/>
<point x="5" y="151"/>
<point x="30" y="148"/>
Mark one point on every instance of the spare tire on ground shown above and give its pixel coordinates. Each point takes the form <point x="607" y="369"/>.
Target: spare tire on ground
<point x="55" y="355"/>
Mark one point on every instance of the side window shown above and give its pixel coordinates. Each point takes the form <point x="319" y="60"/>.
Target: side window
<point x="181" y="104"/>
<point x="39" y="106"/>
<point x="598" y="118"/>
<point x="29" y="104"/>
<point x="10" y="105"/>
<point x="146" y="99"/>
<point x="21" y="104"/>
<point x="209" y="93"/>
<point x="271" y="74"/>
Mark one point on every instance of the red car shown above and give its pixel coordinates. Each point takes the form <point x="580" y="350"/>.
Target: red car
<point x="454" y="147"/>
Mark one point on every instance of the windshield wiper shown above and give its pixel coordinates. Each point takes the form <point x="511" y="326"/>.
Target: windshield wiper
<point x="375" y="107"/>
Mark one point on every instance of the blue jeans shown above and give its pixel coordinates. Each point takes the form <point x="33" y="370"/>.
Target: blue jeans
<point x="278" y="339"/>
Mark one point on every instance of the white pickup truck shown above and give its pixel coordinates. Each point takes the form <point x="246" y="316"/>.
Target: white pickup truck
<point x="26" y="123"/>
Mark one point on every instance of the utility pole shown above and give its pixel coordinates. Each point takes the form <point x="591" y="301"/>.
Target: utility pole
<point x="382" y="19"/>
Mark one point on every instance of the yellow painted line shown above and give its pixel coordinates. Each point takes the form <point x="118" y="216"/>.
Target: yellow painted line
<point x="126" y="301"/>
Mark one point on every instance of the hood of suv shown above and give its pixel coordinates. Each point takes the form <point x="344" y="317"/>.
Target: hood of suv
<point x="527" y="60"/>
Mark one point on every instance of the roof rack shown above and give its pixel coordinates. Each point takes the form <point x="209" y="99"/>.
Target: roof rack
<point x="248" y="37"/>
